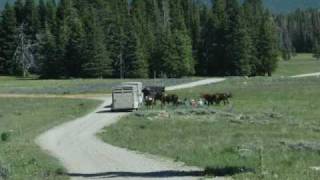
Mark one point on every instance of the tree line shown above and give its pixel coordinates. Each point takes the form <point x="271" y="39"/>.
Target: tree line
<point x="140" y="38"/>
<point x="299" y="32"/>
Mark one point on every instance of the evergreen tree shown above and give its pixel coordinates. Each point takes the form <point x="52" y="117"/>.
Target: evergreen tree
<point x="136" y="63"/>
<point x="239" y="43"/>
<point x="253" y="10"/>
<point x="316" y="51"/>
<point x="182" y="56"/>
<point x="179" y="61"/>
<point x="206" y="43"/>
<point x="267" y="47"/>
<point x="61" y="33"/>
<point x="51" y="15"/>
<point x="98" y="63"/>
<point x="31" y="19"/>
<point x="116" y="35"/>
<point x="141" y="38"/>
<point x="216" y="57"/>
<point x="19" y="10"/>
<point x="8" y="39"/>
<point x="42" y="11"/>
<point x="74" y="50"/>
<point x="50" y="67"/>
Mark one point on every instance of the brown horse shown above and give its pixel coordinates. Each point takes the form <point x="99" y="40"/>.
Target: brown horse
<point x="170" y="99"/>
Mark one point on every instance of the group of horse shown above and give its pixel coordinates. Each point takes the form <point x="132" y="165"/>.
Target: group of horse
<point x="153" y="94"/>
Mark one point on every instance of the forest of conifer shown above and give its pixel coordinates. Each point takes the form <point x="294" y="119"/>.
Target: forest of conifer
<point x="154" y="38"/>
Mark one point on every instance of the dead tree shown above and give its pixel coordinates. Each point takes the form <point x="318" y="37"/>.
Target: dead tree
<point x="23" y="55"/>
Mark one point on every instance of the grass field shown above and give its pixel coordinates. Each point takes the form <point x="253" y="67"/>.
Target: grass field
<point x="13" y="85"/>
<point x="300" y="64"/>
<point x="271" y="129"/>
<point x="22" y="120"/>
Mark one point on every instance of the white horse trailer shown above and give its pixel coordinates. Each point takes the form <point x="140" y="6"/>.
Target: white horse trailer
<point x="139" y="89"/>
<point x="124" y="98"/>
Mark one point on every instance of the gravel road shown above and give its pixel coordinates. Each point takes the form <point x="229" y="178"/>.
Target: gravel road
<point x="86" y="157"/>
<point x="307" y="75"/>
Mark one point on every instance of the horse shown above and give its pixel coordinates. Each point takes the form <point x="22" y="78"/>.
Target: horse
<point x="149" y="101"/>
<point x="217" y="98"/>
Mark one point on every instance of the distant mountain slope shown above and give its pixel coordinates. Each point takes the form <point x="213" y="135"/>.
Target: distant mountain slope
<point x="3" y="3"/>
<point x="279" y="6"/>
<point x="276" y="6"/>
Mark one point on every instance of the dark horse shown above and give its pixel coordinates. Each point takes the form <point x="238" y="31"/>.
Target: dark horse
<point x="217" y="98"/>
<point x="170" y="98"/>
<point x="153" y="92"/>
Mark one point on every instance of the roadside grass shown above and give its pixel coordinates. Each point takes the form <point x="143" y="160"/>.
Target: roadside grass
<point x="300" y="64"/>
<point x="21" y="121"/>
<point x="271" y="129"/>
<point x="11" y="85"/>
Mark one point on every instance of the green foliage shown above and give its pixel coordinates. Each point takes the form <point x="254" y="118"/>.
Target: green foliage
<point x="98" y="63"/>
<point x="135" y="58"/>
<point x="145" y="38"/>
<point x="49" y="66"/>
<point x="267" y="47"/>
<point x="316" y="51"/>
<point x="5" y="136"/>
<point x="8" y="33"/>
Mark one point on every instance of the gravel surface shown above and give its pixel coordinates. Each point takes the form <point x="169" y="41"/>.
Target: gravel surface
<point x="306" y="75"/>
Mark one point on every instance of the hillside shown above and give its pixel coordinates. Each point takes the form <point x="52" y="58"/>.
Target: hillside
<point x="282" y="6"/>
<point x="3" y="3"/>
<point x="276" y="6"/>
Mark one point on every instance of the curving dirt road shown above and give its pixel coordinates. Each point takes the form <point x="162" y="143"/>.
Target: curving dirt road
<point x="86" y="157"/>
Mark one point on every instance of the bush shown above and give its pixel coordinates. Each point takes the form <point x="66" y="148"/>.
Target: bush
<point x="5" y="136"/>
<point x="60" y="171"/>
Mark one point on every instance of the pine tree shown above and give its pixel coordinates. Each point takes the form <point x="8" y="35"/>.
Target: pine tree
<point x="253" y="10"/>
<point x="136" y="63"/>
<point x="98" y="64"/>
<point x="74" y="50"/>
<point x="267" y="47"/>
<point x="179" y="61"/>
<point x="183" y="57"/>
<point x="316" y="51"/>
<point x="42" y="11"/>
<point x="50" y="66"/>
<point x="19" y="9"/>
<point x="152" y="36"/>
<point x="206" y="43"/>
<point x="217" y="54"/>
<point x="31" y="19"/>
<point x="116" y="35"/>
<point x="239" y="43"/>
<point x="8" y="39"/>
<point x="51" y="15"/>
<point x="61" y="33"/>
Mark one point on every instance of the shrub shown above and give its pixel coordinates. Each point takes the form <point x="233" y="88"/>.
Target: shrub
<point x="60" y="171"/>
<point x="5" y="136"/>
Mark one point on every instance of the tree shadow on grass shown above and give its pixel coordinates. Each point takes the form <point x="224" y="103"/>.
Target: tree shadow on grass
<point x="217" y="172"/>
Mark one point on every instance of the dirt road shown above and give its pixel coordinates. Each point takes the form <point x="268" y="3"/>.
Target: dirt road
<point x="86" y="157"/>
<point x="307" y="75"/>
